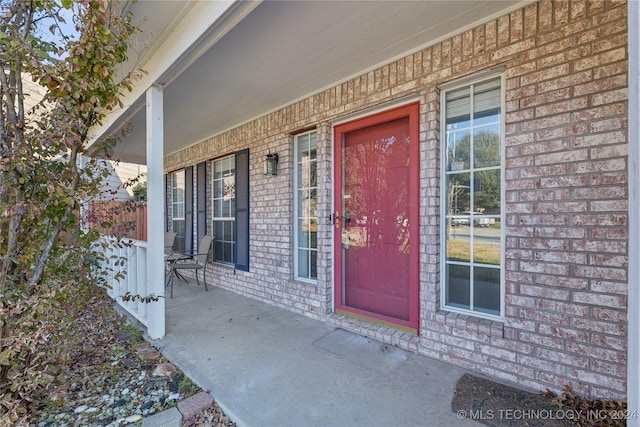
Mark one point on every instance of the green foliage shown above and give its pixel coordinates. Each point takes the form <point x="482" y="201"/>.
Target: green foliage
<point x="46" y="261"/>
<point x="186" y="387"/>
<point x="486" y="185"/>
<point x="140" y="191"/>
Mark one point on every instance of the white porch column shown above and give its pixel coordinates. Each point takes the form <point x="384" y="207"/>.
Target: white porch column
<point x="633" y="305"/>
<point x="155" y="211"/>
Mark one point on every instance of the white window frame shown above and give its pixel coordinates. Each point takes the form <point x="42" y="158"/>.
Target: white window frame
<point x="215" y="216"/>
<point x="468" y="82"/>
<point x="180" y="206"/>
<point x="176" y="204"/>
<point x="297" y="187"/>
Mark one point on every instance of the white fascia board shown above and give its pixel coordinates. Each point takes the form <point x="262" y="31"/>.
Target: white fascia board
<point x="205" y="24"/>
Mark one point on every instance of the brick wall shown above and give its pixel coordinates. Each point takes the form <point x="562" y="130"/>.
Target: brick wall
<point x="566" y="196"/>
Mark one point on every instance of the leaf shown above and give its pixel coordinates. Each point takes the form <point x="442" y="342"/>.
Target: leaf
<point x="4" y="357"/>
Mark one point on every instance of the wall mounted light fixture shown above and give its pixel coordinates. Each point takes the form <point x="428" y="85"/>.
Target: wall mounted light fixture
<point x="271" y="164"/>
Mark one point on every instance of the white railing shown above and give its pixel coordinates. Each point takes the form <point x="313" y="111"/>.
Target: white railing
<point x="127" y="274"/>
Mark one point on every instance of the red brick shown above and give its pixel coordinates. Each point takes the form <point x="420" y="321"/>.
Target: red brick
<point x="599" y="299"/>
<point x="609" y="342"/>
<point x="562" y="357"/>
<point x="566" y="257"/>
<point x="567" y="308"/>
<point x="565" y="282"/>
<point x="578" y="10"/>
<point x="600" y="272"/>
<point x="565" y="333"/>
<point x="600" y="326"/>
<point x="560" y="207"/>
<point x="593" y="378"/>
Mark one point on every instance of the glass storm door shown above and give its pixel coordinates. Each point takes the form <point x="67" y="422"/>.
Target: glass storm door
<point x="376" y="218"/>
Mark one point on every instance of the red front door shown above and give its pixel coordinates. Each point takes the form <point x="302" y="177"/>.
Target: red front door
<point x="376" y="219"/>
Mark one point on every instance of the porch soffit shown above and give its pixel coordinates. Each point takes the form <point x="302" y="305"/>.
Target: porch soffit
<point x="221" y="67"/>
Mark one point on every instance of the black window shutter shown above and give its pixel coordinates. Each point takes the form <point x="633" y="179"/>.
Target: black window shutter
<point x="242" y="211"/>
<point x="188" y="208"/>
<point x="201" y="199"/>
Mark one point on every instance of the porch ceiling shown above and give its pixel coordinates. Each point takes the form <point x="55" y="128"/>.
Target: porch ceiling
<point x="282" y="51"/>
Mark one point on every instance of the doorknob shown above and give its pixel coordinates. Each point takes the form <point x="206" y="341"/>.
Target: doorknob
<point x="335" y="218"/>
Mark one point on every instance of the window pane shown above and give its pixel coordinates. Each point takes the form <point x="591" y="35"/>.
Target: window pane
<point x="178" y="210"/>
<point x="458" y="109"/>
<point x="313" y="176"/>
<point x="486" y="244"/>
<point x="486" y="195"/>
<point x="217" y="189"/>
<point x="486" y="290"/>
<point x="458" y="150"/>
<point x="218" y="228"/>
<point x="313" y="265"/>
<point x="228" y="230"/>
<point x="459" y="244"/>
<point x="303" y="263"/>
<point x="486" y="98"/>
<point x="179" y="228"/>
<point x="486" y="146"/>
<point x="458" y="291"/>
<point x="225" y="208"/>
<point x="458" y="197"/>
<point x="303" y="233"/>
<point x="229" y="190"/>
<point x="313" y="237"/>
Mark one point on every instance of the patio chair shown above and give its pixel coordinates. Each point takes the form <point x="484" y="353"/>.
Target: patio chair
<point x="169" y="254"/>
<point x="169" y="240"/>
<point x="190" y="261"/>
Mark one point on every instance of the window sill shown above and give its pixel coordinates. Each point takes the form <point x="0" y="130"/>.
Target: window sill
<point x="307" y="282"/>
<point x="466" y="321"/>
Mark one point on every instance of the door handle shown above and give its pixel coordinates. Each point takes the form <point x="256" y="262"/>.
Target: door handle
<point x="335" y="219"/>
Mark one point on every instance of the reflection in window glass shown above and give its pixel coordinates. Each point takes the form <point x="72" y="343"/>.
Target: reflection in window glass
<point x="457" y="293"/>
<point x="223" y="201"/>
<point x="472" y="176"/>
<point x="306" y="195"/>
<point x="486" y="145"/>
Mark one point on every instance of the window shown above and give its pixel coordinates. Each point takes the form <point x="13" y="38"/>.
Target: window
<point x="224" y="197"/>
<point x="230" y="206"/>
<point x="472" y="198"/>
<point x="178" y="209"/>
<point x="306" y="207"/>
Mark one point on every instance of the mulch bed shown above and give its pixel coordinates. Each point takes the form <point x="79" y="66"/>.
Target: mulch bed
<point x="494" y="404"/>
<point x="108" y="355"/>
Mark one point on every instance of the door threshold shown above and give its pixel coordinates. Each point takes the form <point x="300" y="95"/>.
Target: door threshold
<point x="369" y="319"/>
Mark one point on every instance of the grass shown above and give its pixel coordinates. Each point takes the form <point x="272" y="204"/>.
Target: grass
<point x="484" y="253"/>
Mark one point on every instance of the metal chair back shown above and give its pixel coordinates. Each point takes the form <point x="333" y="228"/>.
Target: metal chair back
<point x="169" y="239"/>
<point x="203" y="249"/>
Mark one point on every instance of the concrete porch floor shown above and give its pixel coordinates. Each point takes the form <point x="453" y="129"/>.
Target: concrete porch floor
<point x="266" y="366"/>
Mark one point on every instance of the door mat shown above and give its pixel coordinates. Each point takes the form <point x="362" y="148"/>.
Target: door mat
<point x="494" y="404"/>
<point x="363" y="351"/>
